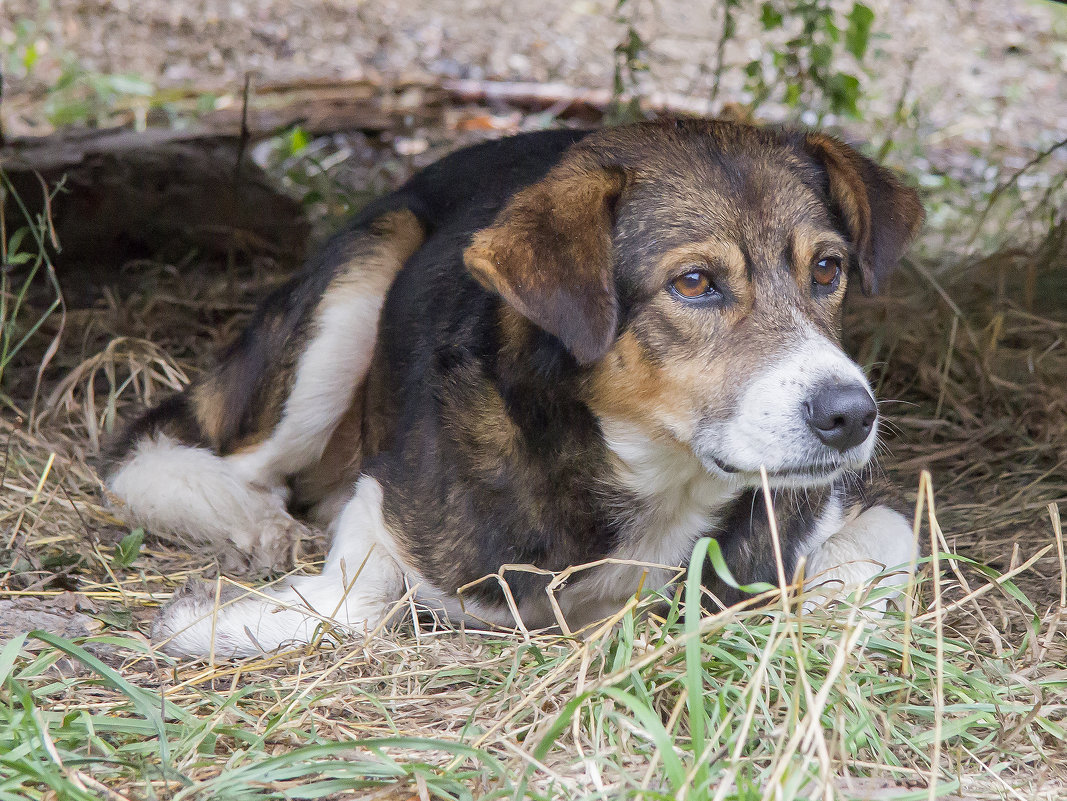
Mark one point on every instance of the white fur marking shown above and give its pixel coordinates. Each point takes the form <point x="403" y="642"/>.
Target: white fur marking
<point x="192" y="493"/>
<point x="874" y="541"/>
<point x="768" y="427"/>
<point x="356" y="589"/>
<point x="682" y="499"/>
<point x="330" y="368"/>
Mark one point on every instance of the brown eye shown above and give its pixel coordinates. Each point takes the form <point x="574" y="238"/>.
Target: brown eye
<point x="826" y="272"/>
<point x="694" y="284"/>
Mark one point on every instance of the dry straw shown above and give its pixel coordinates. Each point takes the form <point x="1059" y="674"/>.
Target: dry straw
<point x="959" y="694"/>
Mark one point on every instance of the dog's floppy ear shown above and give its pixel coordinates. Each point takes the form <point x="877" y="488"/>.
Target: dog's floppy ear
<point x="882" y="214"/>
<point x="548" y="254"/>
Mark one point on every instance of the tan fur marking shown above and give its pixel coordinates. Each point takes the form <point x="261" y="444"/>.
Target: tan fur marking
<point x="549" y="256"/>
<point x="399" y="234"/>
<point x="722" y="256"/>
<point x="209" y="407"/>
<point x="846" y="188"/>
<point x="882" y="215"/>
<point x="515" y="331"/>
<point x="625" y="385"/>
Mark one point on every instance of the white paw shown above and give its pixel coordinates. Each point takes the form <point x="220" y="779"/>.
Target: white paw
<point x="878" y="544"/>
<point x="242" y="622"/>
<point x="197" y="498"/>
<point x="184" y="626"/>
<point x="235" y="623"/>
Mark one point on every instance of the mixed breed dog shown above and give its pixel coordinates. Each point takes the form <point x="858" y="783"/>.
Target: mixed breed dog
<point x="554" y="349"/>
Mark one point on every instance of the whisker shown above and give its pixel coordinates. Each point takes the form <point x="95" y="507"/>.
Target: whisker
<point x="886" y="401"/>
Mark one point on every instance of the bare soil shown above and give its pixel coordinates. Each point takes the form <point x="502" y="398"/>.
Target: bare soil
<point x="982" y="72"/>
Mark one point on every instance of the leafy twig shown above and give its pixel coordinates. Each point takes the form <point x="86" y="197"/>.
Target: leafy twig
<point x="994" y="196"/>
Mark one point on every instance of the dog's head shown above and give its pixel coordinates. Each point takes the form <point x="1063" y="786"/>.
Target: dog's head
<point x="697" y="270"/>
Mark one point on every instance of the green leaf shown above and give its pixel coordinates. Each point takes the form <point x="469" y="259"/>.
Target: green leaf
<point x="694" y="671"/>
<point x="858" y="33"/>
<point x="8" y="654"/>
<point x="298" y="141"/>
<point x="128" y="548"/>
<point x="206" y="102"/>
<point x="16" y="259"/>
<point x="771" y="17"/>
<point x="831" y="29"/>
<point x="822" y="55"/>
<point x="718" y="564"/>
<point x="729" y="26"/>
<point x="16" y="240"/>
<point x="844" y="92"/>
<point x="29" y="58"/>
<point x="125" y="85"/>
<point x="115" y="617"/>
<point x="67" y="112"/>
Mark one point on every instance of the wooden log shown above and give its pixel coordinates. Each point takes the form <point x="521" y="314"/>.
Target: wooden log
<point x="565" y="101"/>
<point x="125" y="194"/>
<point x="320" y="107"/>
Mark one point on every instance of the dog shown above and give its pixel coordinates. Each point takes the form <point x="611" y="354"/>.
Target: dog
<point x="554" y="349"/>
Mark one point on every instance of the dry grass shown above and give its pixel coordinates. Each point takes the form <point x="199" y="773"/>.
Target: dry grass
<point x="962" y="694"/>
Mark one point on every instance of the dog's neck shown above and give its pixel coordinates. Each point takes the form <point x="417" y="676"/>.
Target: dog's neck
<point x="676" y="496"/>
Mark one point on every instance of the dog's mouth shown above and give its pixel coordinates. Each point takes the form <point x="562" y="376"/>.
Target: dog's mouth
<point x="813" y="473"/>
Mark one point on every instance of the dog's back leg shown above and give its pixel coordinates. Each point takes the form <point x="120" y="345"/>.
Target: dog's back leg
<point x="190" y="493"/>
<point x="361" y="582"/>
<point x="211" y="464"/>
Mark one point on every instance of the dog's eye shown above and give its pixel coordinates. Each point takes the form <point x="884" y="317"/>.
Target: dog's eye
<point x="826" y="273"/>
<point x="694" y="284"/>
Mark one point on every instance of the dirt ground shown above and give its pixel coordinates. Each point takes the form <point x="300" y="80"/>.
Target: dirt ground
<point x="983" y="72"/>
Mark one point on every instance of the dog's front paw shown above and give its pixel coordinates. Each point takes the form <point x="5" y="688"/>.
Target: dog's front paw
<point x="185" y="625"/>
<point x="865" y="548"/>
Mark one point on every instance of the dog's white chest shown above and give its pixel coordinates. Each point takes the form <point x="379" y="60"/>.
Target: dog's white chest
<point x="678" y="502"/>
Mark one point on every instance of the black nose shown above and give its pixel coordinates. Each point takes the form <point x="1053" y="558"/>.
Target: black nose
<point x="841" y="416"/>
